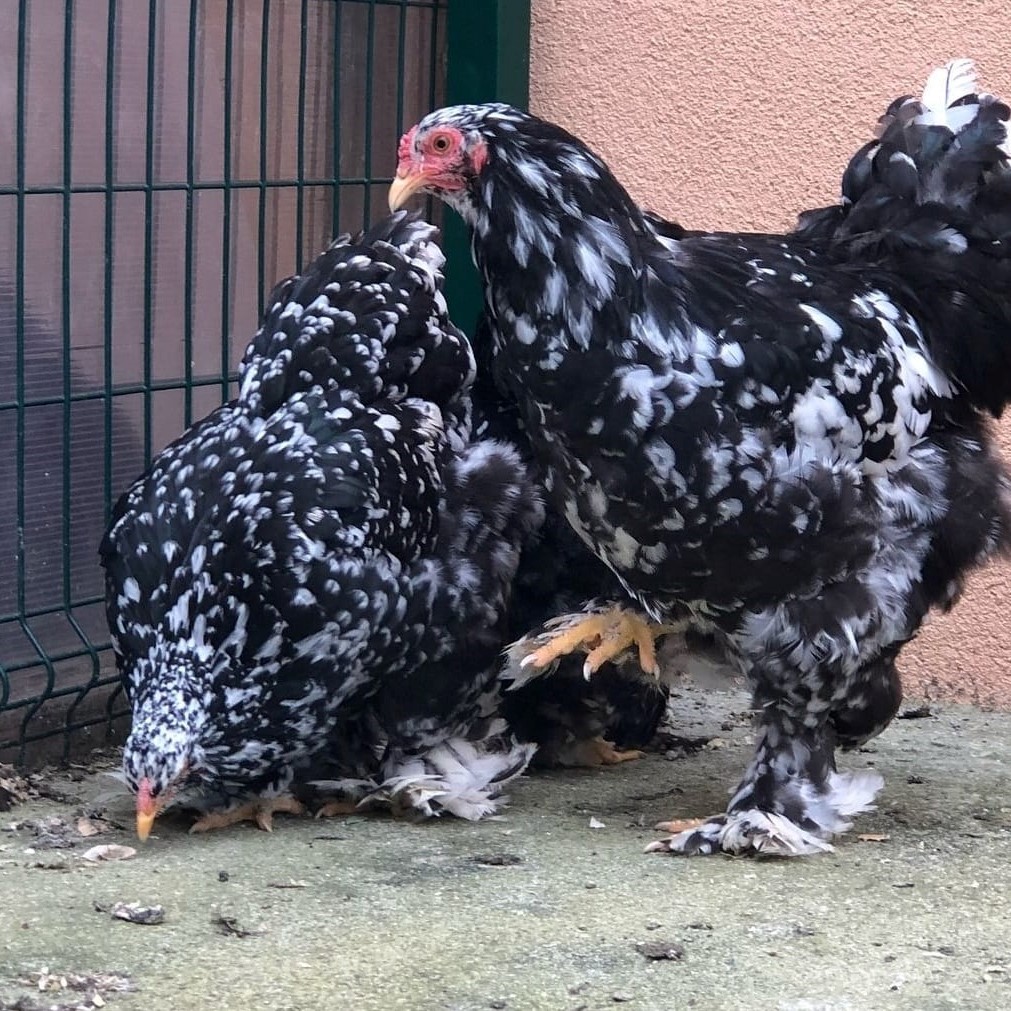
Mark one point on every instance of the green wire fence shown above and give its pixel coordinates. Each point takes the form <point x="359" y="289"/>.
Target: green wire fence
<point x="163" y="163"/>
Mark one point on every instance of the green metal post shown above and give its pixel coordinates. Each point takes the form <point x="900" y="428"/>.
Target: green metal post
<point x="488" y="61"/>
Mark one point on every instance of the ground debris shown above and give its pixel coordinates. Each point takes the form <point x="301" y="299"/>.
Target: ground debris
<point x="92" y="825"/>
<point x="667" y="740"/>
<point x="67" y="991"/>
<point x="661" y="951"/>
<point x="40" y="786"/>
<point x="134" y="912"/>
<point x="230" y="926"/>
<point x="53" y="833"/>
<point x="288" y="884"/>
<point x="108" y="852"/>
<point x="916" y="713"/>
<point x="873" y="837"/>
<point x="497" y="859"/>
<point x="13" y="788"/>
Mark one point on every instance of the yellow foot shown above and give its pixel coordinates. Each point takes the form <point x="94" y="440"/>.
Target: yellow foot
<point x="602" y="636"/>
<point x="595" y="751"/>
<point x="261" y="810"/>
<point x="678" y="825"/>
<point x="336" y="808"/>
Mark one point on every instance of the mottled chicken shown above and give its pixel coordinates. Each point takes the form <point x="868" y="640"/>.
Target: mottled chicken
<point x="572" y="720"/>
<point x="774" y="440"/>
<point x="331" y="535"/>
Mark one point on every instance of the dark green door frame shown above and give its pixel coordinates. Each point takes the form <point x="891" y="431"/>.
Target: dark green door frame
<point x="488" y="61"/>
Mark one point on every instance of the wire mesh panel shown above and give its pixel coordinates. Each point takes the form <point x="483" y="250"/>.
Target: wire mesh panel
<point x="162" y="164"/>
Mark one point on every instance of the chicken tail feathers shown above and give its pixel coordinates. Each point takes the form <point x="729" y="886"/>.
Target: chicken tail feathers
<point x="930" y="200"/>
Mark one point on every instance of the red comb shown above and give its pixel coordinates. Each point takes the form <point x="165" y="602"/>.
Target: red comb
<point x="406" y="144"/>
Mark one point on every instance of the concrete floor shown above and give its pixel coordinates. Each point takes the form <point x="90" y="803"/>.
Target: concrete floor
<point x="538" y="910"/>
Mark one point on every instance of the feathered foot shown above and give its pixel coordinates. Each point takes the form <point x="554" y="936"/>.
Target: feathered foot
<point x="459" y="777"/>
<point x="602" y="636"/>
<point x="261" y="810"/>
<point x="591" y="753"/>
<point x="791" y="801"/>
<point x="753" y="832"/>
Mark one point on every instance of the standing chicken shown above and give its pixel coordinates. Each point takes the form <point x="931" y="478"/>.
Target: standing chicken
<point x="774" y="439"/>
<point x="331" y="535"/>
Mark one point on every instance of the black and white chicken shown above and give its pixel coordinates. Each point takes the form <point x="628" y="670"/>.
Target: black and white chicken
<point x="330" y="535"/>
<point x="774" y="439"/>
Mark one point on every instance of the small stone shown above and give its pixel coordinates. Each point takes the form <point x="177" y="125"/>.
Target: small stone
<point x="622" y="998"/>
<point x="222" y="875"/>
<point x="661" y="951"/>
<point x="497" y="1004"/>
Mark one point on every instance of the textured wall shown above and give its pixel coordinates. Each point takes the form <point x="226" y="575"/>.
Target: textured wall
<point x="737" y="114"/>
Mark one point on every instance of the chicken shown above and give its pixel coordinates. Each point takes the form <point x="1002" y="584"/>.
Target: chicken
<point x="330" y="536"/>
<point x="572" y="720"/>
<point x="777" y="441"/>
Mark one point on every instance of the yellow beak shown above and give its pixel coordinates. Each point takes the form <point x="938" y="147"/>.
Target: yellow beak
<point x="145" y="819"/>
<point x="402" y="188"/>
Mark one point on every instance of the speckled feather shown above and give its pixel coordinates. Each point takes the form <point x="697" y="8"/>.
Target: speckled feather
<point x="330" y="540"/>
<point x="775" y="438"/>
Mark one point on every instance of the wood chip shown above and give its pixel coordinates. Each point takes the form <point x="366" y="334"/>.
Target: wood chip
<point x="108" y="852"/>
<point x="134" y="912"/>
<point x="873" y="837"/>
<point x="87" y="828"/>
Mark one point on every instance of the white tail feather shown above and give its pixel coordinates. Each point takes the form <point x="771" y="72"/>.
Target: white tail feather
<point x="946" y="86"/>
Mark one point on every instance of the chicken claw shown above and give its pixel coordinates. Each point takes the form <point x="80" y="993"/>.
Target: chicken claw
<point x="337" y="808"/>
<point x="595" y="751"/>
<point x="603" y="636"/>
<point x="261" y="810"/>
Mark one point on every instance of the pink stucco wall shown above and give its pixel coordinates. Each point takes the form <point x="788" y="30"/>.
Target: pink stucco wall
<point x="737" y="114"/>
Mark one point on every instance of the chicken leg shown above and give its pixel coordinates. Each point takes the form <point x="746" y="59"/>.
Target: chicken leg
<point x="593" y="752"/>
<point x="602" y="635"/>
<point x="260" y="810"/>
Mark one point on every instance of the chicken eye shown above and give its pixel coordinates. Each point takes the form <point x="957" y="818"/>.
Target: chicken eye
<point x="440" y="143"/>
